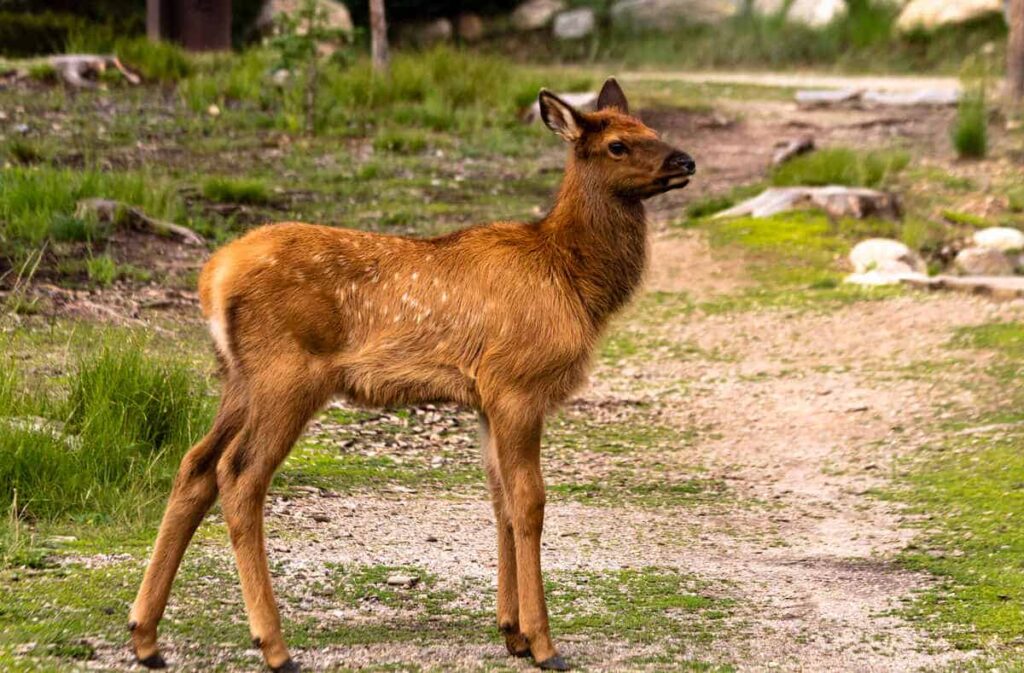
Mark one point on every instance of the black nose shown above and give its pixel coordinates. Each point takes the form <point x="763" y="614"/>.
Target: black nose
<point x="681" y="161"/>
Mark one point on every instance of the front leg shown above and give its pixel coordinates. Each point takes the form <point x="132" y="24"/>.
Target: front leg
<point x="508" y="590"/>
<point x="516" y="433"/>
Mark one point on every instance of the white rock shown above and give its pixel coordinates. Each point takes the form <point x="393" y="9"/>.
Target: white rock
<point x="667" y="14"/>
<point x="536" y="14"/>
<point x="877" y="278"/>
<point x="983" y="262"/>
<point x="1005" y="239"/>
<point x="574" y="24"/>
<point x="931" y="14"/>
<point x="885" y="255"/>
<point x="811" y="12"/>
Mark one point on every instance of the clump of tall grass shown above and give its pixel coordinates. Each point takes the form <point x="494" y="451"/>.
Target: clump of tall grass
<point x="970" y="129"/>
<point x="841" y="166"/>
<point x="236" y="190"/>
<point x="36" y="202"/>
<point x="104" y="449"/>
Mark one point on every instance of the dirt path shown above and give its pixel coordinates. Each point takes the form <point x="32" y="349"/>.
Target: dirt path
<point x="804" y="80"/>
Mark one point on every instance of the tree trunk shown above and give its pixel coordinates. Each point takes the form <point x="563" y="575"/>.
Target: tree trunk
<point x="379" y="36"/>
<point x="198" y="25"/>
<point x="1015" y="53"/>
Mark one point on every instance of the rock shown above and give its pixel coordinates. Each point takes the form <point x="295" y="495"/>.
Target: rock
<point x="536" y="14"/>
<point x="932" y="14"/>
<point x="1004" y="239"/>
<point x="337" y="15"/>
<point x="585" y="101"/>
<point x="886" y="256"/>
<point x="438" y="30"/>
<point x="470" y="27"/>
<point x="574" y="24"/>
<point x="810" y="12"/>
<point x="667" y="14"/>
<point x="983" y="262"/>
<point x="400" y="580"/>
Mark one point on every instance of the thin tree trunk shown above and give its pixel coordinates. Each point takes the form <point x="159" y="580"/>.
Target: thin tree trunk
<point x="379" y="36"/>
<point x="1015" y="53"/>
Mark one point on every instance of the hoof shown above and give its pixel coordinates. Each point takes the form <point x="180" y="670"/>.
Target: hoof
<point x="289" y="666"/>
<point x="153" y="661"/>
<point x="555" y="663"/>
<point x="522" y="654"/>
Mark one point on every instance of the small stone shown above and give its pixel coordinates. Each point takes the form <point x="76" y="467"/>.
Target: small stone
<point x="320" y="518"/>
<point x="213" y="110"/>
<point x="399" y="580"/>
<point x="431" y="538"/>
<point x="983" y="262"/>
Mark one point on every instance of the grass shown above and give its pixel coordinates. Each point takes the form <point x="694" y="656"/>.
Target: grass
<point x="37" y="202"/>
<point x="970" y="129"/>
<point x="236" y="190"/>
<point x="971" y="489"/>
<point x="841" y="166"/>
<point x="102" y="447"/>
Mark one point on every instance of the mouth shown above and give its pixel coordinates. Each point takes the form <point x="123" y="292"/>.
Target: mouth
<point x="670" y="182"/>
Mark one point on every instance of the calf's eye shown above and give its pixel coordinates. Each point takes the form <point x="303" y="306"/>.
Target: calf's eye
<point x="617" y="148"/>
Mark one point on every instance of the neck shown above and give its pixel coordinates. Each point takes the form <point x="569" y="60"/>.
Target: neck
<point x="604" y="241"/>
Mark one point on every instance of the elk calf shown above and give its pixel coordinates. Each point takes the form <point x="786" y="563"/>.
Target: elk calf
<point x="501" y="317"/>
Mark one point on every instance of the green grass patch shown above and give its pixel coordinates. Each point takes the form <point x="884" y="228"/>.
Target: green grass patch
<point x="971" y="489"/>
<point x="643" y="605"/>
<point x="841" y="166"/>
<point x="236" y="190"/>
<point x="102" y="447"/>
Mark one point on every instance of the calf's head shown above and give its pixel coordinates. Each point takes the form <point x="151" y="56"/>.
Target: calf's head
<point x="614" y="151"/>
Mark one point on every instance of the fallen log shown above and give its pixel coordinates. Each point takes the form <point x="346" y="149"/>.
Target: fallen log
<point x="836" y="201"/>
<point x="122" y="215"/>
<point x="793" y="148"/>
<point x="75" y="68"/>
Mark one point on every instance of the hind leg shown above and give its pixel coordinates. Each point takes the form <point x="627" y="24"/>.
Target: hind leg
<point x="276" y="418"/>
<point x="195" y="490"/>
